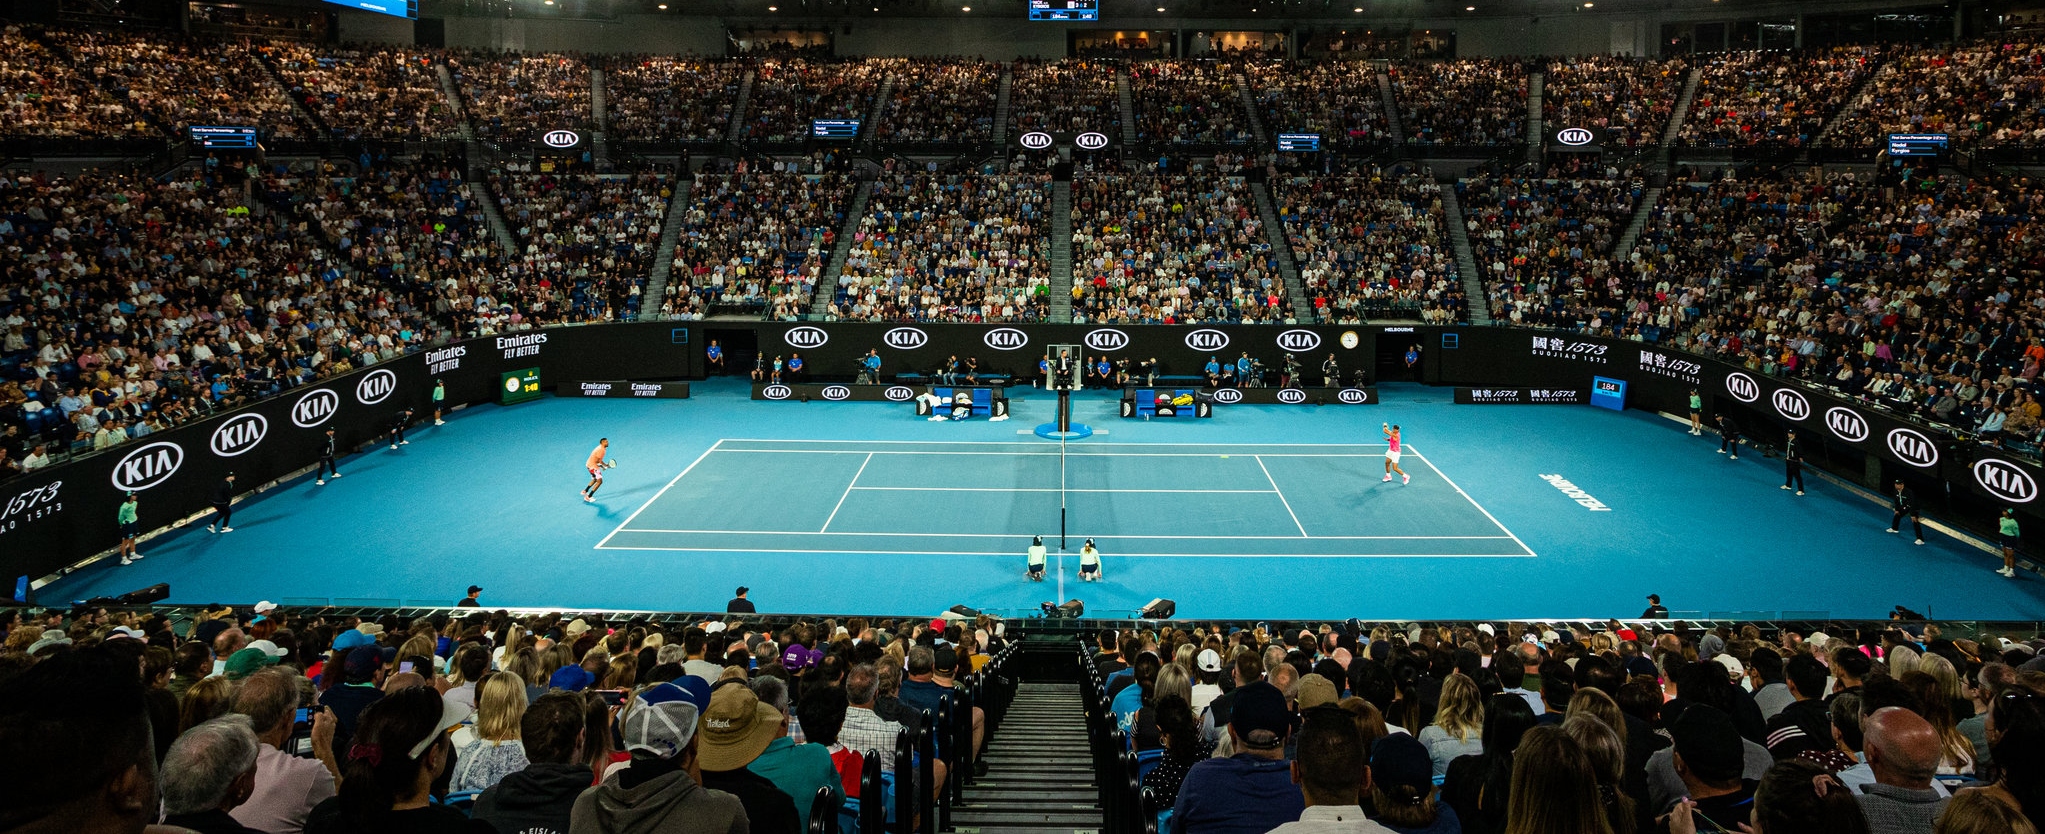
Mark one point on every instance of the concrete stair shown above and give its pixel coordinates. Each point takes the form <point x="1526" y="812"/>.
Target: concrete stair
<point x="655" y="293"/>
<point x="309" y="116"/>
<point x="1001" y="107"/>
<point x="1128" y="106"/>
<point x="871" y="126"/>
<point x="827" y="286"/>
<point x="1648" y="200"/>
<point x="1852" y="106"/>
<point x="1682" y="110"/>
<point x="738" y="109"/>
<point x="1535" y="122"/>
<point x="1061" y="252"/>
<point x="1250" y="109"/>
<point x="1040" y="776"/>
<point x="1288" y="269"/>
<point x="599" y="139"/>
<point x="1391" y="108"/>
<point x="1466" y="259"/>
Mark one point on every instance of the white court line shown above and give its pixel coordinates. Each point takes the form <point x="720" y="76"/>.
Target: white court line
<point x="1027" y="535"/>
<point x="1466" y="497"/>
<point x="1202" y="455"/>
<point x="1281" y="498"/>
<point x="1040" y="443"/>
<point x="1046" y="489"/>
<point x="1061" y="557"/>
<point x="656" y="496"/>
<point x="848" y="493"/>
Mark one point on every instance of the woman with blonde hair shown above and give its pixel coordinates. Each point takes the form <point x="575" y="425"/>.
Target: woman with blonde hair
<point x="622" y="674"/>
<point x="1554" y="789"/>
<point x="206" y="700"/>
<point x="495" y="751"/>
<point x="1957" y="752"/>
<point x="1596" y="704"/>
<point x="1606" y="752"/>
<point x="1458" y="728"/>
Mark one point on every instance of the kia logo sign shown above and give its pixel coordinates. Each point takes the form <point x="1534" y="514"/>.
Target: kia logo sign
<point x="1207" y="340"/>
<point x="375" y="387"/>
<point x="561" y="139"/>
<point x="1791" y="404"/>
<point x="1091" y="140"/>
<point x="1107" y="339"/>
<point x="898" y="393"/>
<point x="2004" y="480"/>
<point x="148" y="466"/>
<point x="1913" y="448"/>
<point x="315" y="407"/>
<point x="1036" y="140"/>
<point x="1006" y="338"/>
<point x="1353" y="396"/>
<point x="239" y="434"/>
<point x="1291" y="395"/>
<point x="906" y="338"/>
<point x="1228" y="396"/>
<point x="1299" y="340"/>
<point x="1846" y="424"/>
<point x="806" y="337"/>
<point x="776" y="392"/>
<point x="1575" y="136"/>
<point x="1742" y="387"/>
<point x="837" y="392"/>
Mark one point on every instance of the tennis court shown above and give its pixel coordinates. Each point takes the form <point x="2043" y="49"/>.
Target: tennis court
<point x="989" y="498"/>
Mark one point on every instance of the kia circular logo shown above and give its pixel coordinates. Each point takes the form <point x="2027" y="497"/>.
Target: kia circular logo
<point x="1091" y="140"/>
<point x="239" y="434"/>
<point x="1574" y="136"/>
<point x="1228" y="396"/>
<point x="1912" y="447"/>
<point x="1742" y="387"/>
<point x="1791" y="404"/>
<point x="1006" y="338"/>
<point x="375" y="387"/>
<point x="1353" y="396"/>
<point x="315" y="408"/>
<point x="1291" y="395"/>
<point x="561" y="139"/>
<point x="1107" y="339"/>
<point x="1846" y="424"/>
<point x="148" y="466"/>
<point x="1207" y="340"/>
<point x="1300" y="340"/>
<point x="906" y="338"/>
<point x="2004" y="480"/>
<point x="899" y="393"/>
<point x="806" y="337"/>
<point x="837" y="392"/>
<point x="1036" y="140"/>
<point x="776" y="392"/>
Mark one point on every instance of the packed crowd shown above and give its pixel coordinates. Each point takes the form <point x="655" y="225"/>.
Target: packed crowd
<point x="1544" y="246"/>
<point x="1157" y="248"/>
<point x="382" y="93"/>
<point x="1465" y="102"/>
<point x="41" y="95"/>
<point x="1980" y="94"/>
<point x="586" y="241"/>
<point x="950" y="247"/>
<point x="245" y="721"/>
<point x="1629" y="100"/>
<point x="665" y="98"/>
<point x="1069" y="95"/>
<point x="756" y="241"/>
<point x="942" y="100"/>
<point x="788" y="93"/>
<point x="1339" y="100"/>
<point x="1189" y="102"/>
<point x="1772" y="99"/>
<point x="183" y="81"/>
<point x="1371" y="243"/>
<point x="511" y="96"/>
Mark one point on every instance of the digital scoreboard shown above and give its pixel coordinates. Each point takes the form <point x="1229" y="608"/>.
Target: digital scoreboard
<point x="1299" y="142"/>
<point x="1065" y="9"/>
<point x="223" y="138"/>
<point x="394" y="8"/>
<point x="842" y="130"/>
<point x="1608" y="393"/>
<point x="1918" y="144"/>
<point x="519" y="386"/>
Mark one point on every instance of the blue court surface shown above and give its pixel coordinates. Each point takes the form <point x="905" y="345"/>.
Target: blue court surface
<point x="1262" y="511"/>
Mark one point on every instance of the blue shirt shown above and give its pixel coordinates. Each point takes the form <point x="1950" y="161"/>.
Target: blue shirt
<point x="1243" y="365"/>
<point x="1213" y="367"/>
<point x="795" y="364"/>
<point x="1241" y="794"/>
<point x="873" y="362"/>
<point x="1126" y="704"/>
<point x="716" y="352"/>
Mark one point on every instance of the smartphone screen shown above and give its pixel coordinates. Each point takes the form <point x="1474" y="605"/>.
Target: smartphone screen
<point x="405" y="667"/>
<point x="613" y="697"/>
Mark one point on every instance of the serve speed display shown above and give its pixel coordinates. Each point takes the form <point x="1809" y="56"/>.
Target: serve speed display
<point x="1065" y="9"/>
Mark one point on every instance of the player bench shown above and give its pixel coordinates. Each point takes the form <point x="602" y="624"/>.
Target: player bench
<point x="1142" y="402"/>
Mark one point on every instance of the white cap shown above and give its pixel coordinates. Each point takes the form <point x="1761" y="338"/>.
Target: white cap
<point x="268" y="648"/>
<point x="1209" y="660"/>
<point x="1732" y="664"/>
<point x="265" y="607"/>
<point x="1487" y="629"/>
<point x="712" y="627"/>
<point x="124" y="632"/>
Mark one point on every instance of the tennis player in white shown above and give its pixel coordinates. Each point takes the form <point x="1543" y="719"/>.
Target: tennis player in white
<point x="1392" y="455"/>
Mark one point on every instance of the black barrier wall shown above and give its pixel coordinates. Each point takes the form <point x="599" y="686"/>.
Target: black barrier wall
<point x="58" y="516"/>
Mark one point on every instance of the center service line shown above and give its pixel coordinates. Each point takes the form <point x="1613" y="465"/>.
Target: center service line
<point x="848" y="493"/>
<point x="1281" y="499"/>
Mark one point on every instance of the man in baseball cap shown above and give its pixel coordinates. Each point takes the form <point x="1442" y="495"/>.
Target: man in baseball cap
<point x="734" y="731"/>
<point x="1250" y="792"/>
<point x="659" y="730"/>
